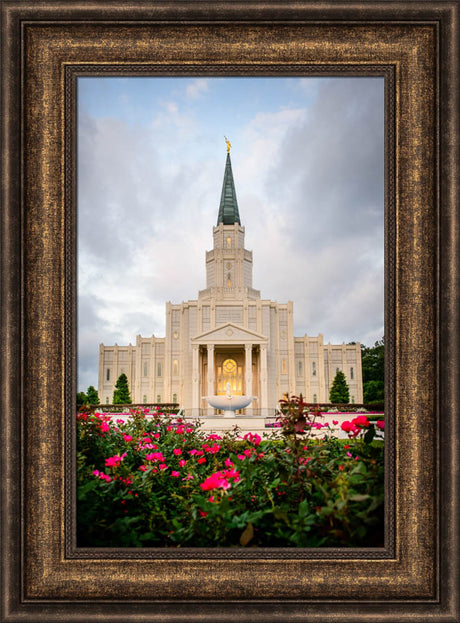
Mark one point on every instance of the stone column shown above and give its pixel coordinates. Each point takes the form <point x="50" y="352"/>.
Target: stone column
<point x="263" y="378"/>
<point x="248" y="374"/>
<point x="195" y="379"/>
<point x="211" y="375"/>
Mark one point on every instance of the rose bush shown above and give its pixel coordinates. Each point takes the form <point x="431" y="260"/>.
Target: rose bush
<point x="156" y="481"/>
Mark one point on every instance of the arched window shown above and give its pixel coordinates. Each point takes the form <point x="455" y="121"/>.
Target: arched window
<point x="107" y="375"/>
<point x="352" y="373"/>
<point x="229" y="242"/>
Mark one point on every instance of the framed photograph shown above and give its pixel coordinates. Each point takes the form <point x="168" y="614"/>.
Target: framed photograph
<point x="296" y="198"/>
<point x="52" y="52"/>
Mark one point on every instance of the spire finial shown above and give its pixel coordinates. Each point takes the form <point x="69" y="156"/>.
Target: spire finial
<point x="228" y="209"/>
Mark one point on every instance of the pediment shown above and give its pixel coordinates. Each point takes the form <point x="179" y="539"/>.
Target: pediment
<point x="229" y="333"/>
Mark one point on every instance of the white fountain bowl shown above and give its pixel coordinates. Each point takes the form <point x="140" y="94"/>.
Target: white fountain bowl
<point x="232" y="403"/>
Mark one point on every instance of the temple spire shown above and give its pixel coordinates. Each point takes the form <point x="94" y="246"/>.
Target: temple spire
<point x="228" y="209"/>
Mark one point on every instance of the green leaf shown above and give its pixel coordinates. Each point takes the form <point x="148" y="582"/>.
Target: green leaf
<point x="83" y="490"/>
<point x="370" y="434"/>
<point x="247" y="535"/>
<point x="279" y="514"/>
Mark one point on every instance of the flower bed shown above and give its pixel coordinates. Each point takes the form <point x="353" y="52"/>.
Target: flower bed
<point x="161" y="482"/>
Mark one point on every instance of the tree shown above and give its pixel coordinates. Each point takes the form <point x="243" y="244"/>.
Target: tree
<point x="121" y="394"/>
<point x="92" y="395"/>
<point x="373" y="392"/>
<point x="339" y="392"/>
<point x="373" y="365"/>
<point x="82" y="399"/>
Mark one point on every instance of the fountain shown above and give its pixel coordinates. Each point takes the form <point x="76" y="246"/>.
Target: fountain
<point x="228" y="403"/>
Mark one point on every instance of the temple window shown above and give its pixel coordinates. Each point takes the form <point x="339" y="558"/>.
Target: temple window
<point x="159" y="369"/>
<point x="144" y="398"/>
<point x="313" y="368"/>
<point x="146" y="368"/>
<point x="107" y="374"/>
<point x="283" y="366"/>
<point x="299" y="368"/>
<point x="229" y="243"/>
<point x="352" y="373"/>
<point x="175" y="367"/>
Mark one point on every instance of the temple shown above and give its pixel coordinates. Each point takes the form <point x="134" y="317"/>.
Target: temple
<point x="229" y="334"/>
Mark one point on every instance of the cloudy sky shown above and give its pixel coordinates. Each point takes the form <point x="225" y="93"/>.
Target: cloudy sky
<point x="308" y="163"/>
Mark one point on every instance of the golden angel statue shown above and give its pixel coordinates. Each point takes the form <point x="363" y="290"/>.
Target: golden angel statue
<point x="228" y="144"/>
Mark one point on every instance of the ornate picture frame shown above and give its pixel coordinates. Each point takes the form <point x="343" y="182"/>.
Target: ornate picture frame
<point x="46" y="46"/>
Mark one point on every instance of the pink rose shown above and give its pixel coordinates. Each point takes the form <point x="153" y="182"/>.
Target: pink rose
<point x="361" y="420"/>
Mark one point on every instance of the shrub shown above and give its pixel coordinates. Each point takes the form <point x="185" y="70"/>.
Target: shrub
<point x="339" y="392"/>
<point x="121" y="395"/>
<point x="162" y="482"/>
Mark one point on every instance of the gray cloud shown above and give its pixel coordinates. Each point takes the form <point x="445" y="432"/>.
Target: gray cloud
<point x="328" y="185"/>
<point x="331" y="166"/>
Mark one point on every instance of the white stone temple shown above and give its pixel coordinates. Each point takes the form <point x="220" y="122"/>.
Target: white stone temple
<point x="229" y="334"/>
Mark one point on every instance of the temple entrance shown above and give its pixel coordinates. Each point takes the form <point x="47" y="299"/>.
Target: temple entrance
<point x="230" y="369"/>
<point x="242" y="365"/>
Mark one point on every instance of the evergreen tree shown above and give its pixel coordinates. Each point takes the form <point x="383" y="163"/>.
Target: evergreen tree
<point x="92" y="395"/>
<point x="121" y="394"/>
<point x="82" y="399"/>
<point x="339" y="392"/>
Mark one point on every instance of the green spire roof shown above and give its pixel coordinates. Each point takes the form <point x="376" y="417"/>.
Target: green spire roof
<point x="228" y="209"/>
